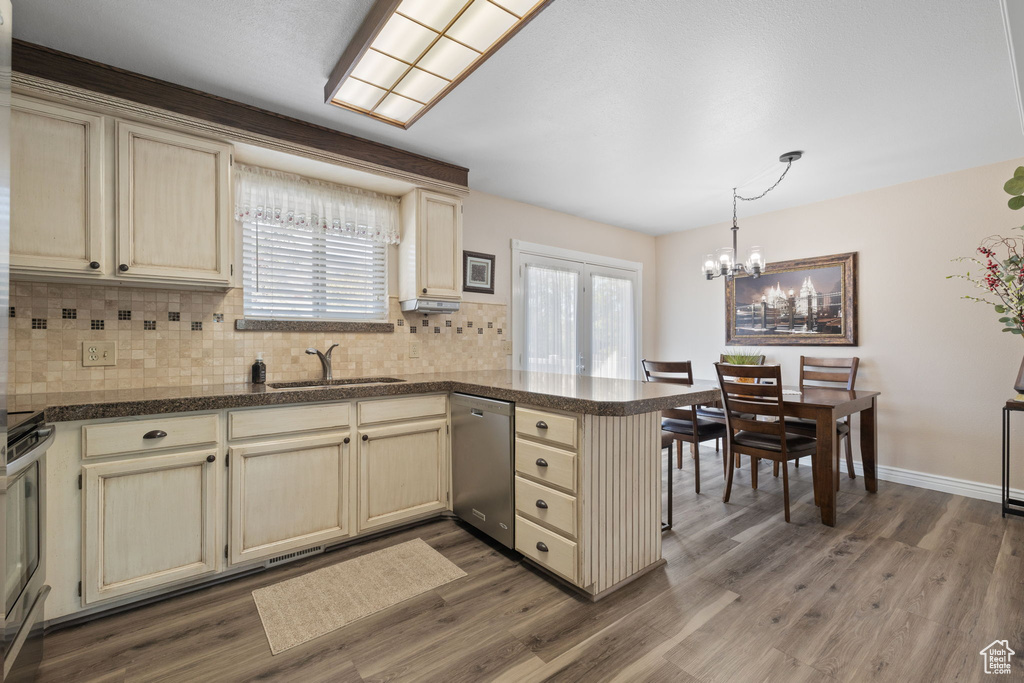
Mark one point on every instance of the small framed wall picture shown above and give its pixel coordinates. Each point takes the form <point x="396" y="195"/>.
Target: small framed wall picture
<point x="477" y="272"/>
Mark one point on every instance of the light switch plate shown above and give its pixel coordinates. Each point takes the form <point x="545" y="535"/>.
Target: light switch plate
<point x="506" y="346"/>
<point x="99" y="353"/>
<point x="414" y="349"/>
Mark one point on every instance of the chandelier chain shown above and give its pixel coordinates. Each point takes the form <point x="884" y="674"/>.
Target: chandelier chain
<point x="751" y="199"/>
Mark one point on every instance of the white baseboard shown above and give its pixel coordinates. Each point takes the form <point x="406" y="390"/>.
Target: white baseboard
<point x="936" y="482"/>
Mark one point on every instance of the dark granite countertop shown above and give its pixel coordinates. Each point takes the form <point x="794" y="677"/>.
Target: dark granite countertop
<point x="591" y="395"/>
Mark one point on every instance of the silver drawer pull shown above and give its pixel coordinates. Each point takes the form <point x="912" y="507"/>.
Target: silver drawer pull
<point x="541" y="424"/>
<point x="542" y="505"/>
<point x="541" y="546"/>
<point x="155" y="434"/>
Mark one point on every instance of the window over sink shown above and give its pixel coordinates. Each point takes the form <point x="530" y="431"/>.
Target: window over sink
<point x="313" y="250"/>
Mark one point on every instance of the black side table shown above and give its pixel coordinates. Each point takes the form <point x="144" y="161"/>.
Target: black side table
<point x="1011" y="506"/>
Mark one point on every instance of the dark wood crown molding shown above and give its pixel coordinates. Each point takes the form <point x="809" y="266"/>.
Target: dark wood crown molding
<point x="61" y="67"/>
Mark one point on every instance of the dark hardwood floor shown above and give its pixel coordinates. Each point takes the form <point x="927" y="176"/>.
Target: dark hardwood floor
<point x="909" y="586"/>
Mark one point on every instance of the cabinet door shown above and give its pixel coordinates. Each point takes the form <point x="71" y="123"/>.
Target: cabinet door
<point x="174" y="207"/>
<point x="287" y="494"/>
<point x="56" y="190"/>
<point x="403" y="472"/>
<point x="149" y="521"/>
<point x="440" y="245"/>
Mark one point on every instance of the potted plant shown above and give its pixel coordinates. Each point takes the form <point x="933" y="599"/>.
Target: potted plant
<point x="740" y="356"/>
<point x="998" y="272"/>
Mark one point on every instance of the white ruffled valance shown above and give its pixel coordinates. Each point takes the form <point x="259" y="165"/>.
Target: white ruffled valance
<point x="282" y="199"/>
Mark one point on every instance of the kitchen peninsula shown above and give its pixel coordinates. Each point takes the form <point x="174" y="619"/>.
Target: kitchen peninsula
<point x="240" y="476"/>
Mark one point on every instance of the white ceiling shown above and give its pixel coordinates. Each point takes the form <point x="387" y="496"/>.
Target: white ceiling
<point x="638" y="114"/>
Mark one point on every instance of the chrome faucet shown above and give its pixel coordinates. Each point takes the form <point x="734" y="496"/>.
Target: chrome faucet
<point x="325" y="361"/>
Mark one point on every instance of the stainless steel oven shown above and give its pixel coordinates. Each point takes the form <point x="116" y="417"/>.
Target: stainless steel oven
<point x="23" y="508"/>
<point x="22" y="465"/>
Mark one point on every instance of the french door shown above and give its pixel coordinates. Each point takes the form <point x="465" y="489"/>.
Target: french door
<point x="573" y="316"/>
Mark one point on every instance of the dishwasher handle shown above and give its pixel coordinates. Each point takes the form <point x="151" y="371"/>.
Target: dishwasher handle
<point x="476" y="412"/>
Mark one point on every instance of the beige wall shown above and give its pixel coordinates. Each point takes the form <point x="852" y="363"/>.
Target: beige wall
<point x="491" y="222"/>
<point x="941" y="363"/>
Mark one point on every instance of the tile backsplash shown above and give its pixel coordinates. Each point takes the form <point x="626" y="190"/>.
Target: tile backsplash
<point x="169" y="337"/>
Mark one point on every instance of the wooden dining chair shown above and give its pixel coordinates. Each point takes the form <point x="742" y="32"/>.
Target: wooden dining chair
<point x="683" y="423"/>
<point x="744" y="403"/>
<point x="715" y="411"/>
<point x="838" y="373"/>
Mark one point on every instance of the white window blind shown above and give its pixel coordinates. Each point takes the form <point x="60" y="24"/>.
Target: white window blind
<point x="298" y="274"/>
<point x="313" y="249"/>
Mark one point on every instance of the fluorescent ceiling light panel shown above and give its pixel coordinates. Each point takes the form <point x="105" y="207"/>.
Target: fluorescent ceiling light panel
<point x="436" y="14"/>
<point x="360" y="94"/>
<point x="403" y="39"/>
<point x="481" y="25"/>
<point x="420" y="86"/>
<point x="398" y="108"/>
<point x="517" y="7"/>
<point x="447" y="59"/>
<point x="409" y="53"/>
<point x="379" y="69"/>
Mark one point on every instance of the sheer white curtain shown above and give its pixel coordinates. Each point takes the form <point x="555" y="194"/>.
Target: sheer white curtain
<point x="613" y="327"/>
<point x="550" y="295"/>
<point x="273" y="198"/>
<point x="575" y="313"/>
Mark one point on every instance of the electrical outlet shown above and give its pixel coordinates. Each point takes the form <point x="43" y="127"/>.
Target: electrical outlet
<point x="98" y="353"/>
<point x="414" y="349"/>
<point x="506" y="346"/>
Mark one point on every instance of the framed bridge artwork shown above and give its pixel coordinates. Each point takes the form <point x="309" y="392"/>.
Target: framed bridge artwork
<point x="809" y="302"/>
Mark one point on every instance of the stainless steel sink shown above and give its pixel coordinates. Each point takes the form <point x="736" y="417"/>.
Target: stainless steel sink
<point x="325" y="384"/>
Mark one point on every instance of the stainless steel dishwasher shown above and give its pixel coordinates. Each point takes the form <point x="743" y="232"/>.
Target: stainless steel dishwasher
<point x="482" y="469"/>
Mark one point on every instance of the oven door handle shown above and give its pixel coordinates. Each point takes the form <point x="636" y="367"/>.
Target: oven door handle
<point x="14" y="468"/>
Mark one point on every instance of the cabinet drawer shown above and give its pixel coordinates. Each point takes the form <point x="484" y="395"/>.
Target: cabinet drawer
<point x="243" y="424"/>
<point x="116" y="438"/>
<point x="392" y="409"/>
<point x="560" y="469"/>
<point x="560" y="429"/>
<point x="547" y="505"/>
<point x="558" y="555"/>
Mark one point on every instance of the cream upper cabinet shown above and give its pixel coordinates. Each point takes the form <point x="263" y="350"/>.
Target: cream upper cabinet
<point x="148" y="522"/>
<point x="174" y="217"/>
<point x="430" y="254"/>
<point x="57" y="198"/>
<point x="403" y="471"/>
<point x="288" y="494"/>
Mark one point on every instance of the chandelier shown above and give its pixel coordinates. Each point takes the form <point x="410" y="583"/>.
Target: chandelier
<point x="724" y="262"/>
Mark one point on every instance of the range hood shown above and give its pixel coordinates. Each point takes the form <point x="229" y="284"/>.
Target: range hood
<point x="427" y="306"/>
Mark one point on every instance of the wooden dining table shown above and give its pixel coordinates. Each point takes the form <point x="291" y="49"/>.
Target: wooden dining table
<point x="826" y="406"/>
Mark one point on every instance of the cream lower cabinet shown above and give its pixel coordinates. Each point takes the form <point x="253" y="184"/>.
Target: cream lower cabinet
<point x="287" y="494"/>
<point x="148" y="522"/>
<point x="588" y="495"/>
<point x="402" y="471"/>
